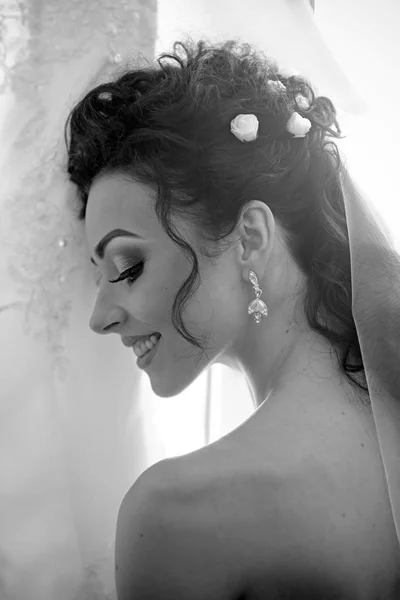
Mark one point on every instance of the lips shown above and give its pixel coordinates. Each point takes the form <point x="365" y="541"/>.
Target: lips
<point x="130" y="341"/>
<point x="146" y="359"/>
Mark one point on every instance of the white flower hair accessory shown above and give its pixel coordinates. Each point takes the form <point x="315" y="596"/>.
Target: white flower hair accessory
<point x="105" y="96"/>
<point x="298" y="125"/>
<point x="245" y="127"/>
<point x="277" y="85"/>
<point x="302" y="102"/>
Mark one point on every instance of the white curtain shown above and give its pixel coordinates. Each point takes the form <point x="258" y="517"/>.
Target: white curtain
<point x="75" y="435"/>
<point x="71" y="435"/>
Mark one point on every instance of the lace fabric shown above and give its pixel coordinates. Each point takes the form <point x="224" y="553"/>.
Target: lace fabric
<point x="67" y="455"/>
<point x="51" y="53"/>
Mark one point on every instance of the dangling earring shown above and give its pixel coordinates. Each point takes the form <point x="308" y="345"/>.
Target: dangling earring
<point x="257" y="307"/>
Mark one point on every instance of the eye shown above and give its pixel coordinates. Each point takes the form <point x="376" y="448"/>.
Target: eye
<point x="130" y="274"/>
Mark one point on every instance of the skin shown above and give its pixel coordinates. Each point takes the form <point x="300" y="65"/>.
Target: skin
<point x="323" y="446"/>
<point x="278" y="355"/>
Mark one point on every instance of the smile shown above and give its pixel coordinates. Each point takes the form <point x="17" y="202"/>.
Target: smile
<point x="145" y="359"/>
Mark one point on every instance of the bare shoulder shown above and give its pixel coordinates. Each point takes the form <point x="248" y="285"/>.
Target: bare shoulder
<point x="308" y="523"/>
<point x="163" y="545"/>
<point x="219" y="522"/>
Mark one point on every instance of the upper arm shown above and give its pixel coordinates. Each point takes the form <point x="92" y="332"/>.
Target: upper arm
<point x="140" y="543"/>
<point x="140" y="538"/>
<point x="161" y="551"/>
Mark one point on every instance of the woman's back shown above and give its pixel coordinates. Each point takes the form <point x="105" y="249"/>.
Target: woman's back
<point x="298" y="505"/>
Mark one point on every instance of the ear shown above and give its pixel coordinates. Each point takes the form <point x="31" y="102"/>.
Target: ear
<point x="257" y="231"/>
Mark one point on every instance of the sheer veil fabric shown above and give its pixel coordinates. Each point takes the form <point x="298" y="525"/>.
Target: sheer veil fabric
<point x="375" y="265"/>
<point x="67" y="453"/>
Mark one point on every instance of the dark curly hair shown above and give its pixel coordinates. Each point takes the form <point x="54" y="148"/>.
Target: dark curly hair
<point x="168" y="126"/>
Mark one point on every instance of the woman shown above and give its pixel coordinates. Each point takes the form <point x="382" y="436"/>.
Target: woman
<point x="213" y="198"/>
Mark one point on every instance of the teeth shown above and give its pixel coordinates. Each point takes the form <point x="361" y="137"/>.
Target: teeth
<point x="142" y="347"/>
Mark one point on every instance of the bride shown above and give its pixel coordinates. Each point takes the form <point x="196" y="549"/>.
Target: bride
<point x="73" y="417"/>
<point x="220" y="217"/>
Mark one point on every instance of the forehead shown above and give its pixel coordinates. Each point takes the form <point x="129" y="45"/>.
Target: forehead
<point x="117" y="202"/>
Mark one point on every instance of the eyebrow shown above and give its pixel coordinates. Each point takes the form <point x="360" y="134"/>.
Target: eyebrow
<point x="101" y="246"/>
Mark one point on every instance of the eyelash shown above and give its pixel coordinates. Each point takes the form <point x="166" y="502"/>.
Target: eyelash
<point x="130" y="274"/>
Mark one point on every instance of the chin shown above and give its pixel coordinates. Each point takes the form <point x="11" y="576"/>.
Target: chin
<point x="169" y="390"/>
<point x="172" y="383"/>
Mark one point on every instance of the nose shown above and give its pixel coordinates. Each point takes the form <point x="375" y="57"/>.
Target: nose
<point x="105" y="321"/>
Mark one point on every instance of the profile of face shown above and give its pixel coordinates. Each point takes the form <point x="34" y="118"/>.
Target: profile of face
<point x="143" y="305"/>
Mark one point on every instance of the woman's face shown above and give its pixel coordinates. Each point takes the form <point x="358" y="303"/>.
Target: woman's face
<point x="143" y="305"/>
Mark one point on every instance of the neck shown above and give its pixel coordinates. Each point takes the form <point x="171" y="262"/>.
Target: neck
<point x="286" y="362"/>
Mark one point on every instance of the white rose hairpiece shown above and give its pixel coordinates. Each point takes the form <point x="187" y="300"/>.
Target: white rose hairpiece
<point x="302" y="102"/>
<point x="276" y="85"/>
<point x="245" y="127"/>
<point x="105" y="96"/>
<point x="298" y="125"/>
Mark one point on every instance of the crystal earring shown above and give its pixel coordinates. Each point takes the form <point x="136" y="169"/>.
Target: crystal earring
<point x="257" y="307"/>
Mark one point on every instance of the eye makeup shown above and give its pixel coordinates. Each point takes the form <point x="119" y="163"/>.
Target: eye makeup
<point x="130" y="274"/>
<point x="128" y="268"/>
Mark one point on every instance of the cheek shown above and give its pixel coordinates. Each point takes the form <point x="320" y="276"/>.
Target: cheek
<point x="213" y="308"/>
<point x="156" y="292"/>
<point x="153" y="306"/>
<point x="152" y="302"/>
